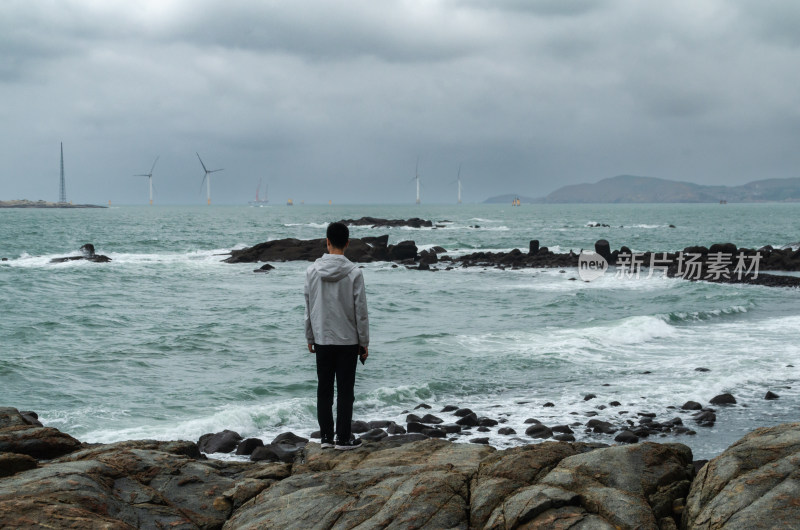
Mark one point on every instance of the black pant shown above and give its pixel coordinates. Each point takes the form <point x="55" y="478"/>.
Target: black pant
<point x="336" y="362"/>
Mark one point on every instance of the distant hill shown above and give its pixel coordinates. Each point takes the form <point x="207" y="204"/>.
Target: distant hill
<point x="508" y="197"/>
<point x="633" y="189"/>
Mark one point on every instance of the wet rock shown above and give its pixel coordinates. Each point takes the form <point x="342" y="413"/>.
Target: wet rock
<point x="431" y="419"/>
<point x="771" y="395"/>
<point x="31" y="417"/>
<point x="603" y="248"/>
<point x="705" y="418"/>
<point x="358" y="427"/>
<point x="470" y="420"/>
<point x="413" y="418"/>
<point x="449" y="408"/>
<point x="564" y="437"/>
<point x="377" y="222"/>
<point x="276" y="452"/>
<point x="11" y="417"/>
<point x="486" y="422"/>
<point x="691" y="405"/>
<point x="531" y="420"/>
<point x="463" y="412"/>
<point x="395" y="429"/>
<point x="415" y="426"/>
<point x="753" y="484"/>
<point x="12" y="463"/>
<point x="549" y="404"/>
<point x="701" y="369"/>
<point x="221" y="442"/>
<point x="87" y="254"/>
<point x="374" y="435"/>
<point x="533" y="247"/>
<point x="563" y="429"/>
<point x="601" y="426"/>
<point x="723" y="399"/>
<point x="246" y="447"/>
<point x="539" y="431"/>
<point x="587" y="397"/>
<point x="37" y="442"/>
<point x="506" y="431"/>
<point x="450" y="428"/>
<point x="483" y="429"/>
<point x="264" y="268"/>
<point x="403" y="250"/>
<point x="291" y="439"/>
<point x="626" y="437"/>
<point x="379" y="424"/>
<point x="615" y="404"/>
<point x="434" y="433"/>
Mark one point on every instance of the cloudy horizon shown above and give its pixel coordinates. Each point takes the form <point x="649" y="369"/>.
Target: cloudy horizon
<point x="337" y="100"/>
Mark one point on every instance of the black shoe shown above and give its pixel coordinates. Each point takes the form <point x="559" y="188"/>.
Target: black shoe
<point x="346" y="446"/>
<point x="327" y="443"/>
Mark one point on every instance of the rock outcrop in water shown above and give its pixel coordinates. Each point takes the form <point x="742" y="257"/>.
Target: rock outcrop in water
<point x="362" y="250"/>
<point x="402" y="481"/>
<point x="87" y="253"/>
<point x="376" y="222"/>
<point x="720" y="263"/>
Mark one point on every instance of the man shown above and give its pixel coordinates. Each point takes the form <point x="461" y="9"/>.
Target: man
<point x="337" y="331"/>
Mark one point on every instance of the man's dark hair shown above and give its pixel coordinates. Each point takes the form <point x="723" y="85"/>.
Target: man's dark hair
<point x="338" y="234"/>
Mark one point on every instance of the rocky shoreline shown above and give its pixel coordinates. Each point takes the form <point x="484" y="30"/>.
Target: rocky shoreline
<point x="49" y="479"/>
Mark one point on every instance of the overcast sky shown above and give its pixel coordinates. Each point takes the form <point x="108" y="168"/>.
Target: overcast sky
<point x="327" y="99"/>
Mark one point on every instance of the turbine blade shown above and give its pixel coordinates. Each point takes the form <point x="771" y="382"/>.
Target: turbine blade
<point x="201" y="161"/>
<point x="154" y="165"/>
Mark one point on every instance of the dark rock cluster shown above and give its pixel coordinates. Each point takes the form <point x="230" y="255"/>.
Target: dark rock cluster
<point x="722" y="263"/>
<point x="362" y="250"/>
<point x="376" y="222"/>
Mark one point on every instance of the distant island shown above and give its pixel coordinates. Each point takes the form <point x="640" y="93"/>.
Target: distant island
<point x="24" y="203"/>
<point x="633" y="189"/>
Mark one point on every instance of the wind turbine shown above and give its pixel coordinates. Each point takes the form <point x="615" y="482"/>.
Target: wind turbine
<point x="150" y="178"/>
<point x="459" y="184"/>
<point x="416" y="177"/>
<point x="206" y="178"/>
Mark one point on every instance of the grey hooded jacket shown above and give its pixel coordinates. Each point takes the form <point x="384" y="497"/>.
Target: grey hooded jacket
<point x="336" y="303"/>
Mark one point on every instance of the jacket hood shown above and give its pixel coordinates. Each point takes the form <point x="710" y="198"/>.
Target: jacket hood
<point x="333" y="267"/>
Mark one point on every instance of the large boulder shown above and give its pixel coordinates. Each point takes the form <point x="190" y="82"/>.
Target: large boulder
<point x="132" y="485"/>
<point x="503" y="473"/>
<point x="37" y="442"/>
<point x="422" y="484"/>
<point x="754" y="484"/>
<point x="632" y="486"/>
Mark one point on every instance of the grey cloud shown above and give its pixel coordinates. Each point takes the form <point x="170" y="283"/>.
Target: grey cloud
<point x="547" y="8"/>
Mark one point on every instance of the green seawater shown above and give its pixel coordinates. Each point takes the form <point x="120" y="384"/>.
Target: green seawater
<point x="168" y="342"/>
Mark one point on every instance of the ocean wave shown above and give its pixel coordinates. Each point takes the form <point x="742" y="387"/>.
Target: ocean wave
<point x="693" y="316"/>
<point x="309" y="225"/>
<point x="209" y="256"/>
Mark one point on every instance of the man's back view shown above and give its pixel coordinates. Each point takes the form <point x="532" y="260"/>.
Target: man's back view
<point x="337" y="327"/>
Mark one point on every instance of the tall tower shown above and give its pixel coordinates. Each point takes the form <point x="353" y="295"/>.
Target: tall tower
<point x="62" y="195"/>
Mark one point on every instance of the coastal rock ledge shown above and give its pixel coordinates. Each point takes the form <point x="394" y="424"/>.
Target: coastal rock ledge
<point x="403" y="482"/>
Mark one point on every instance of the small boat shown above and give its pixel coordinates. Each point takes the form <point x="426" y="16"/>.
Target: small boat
<point x="290" y="202"/>
<point x="515" y="202"/>
<point x="259" y="202"/>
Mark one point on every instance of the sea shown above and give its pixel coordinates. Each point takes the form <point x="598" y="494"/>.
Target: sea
<point x="168" y="342"/>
